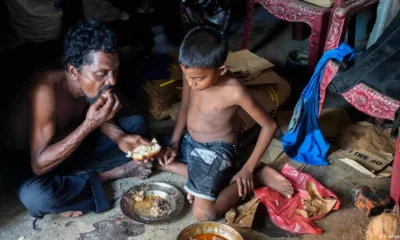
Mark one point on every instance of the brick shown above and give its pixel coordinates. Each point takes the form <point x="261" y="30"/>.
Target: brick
<point x="370" y="201"/>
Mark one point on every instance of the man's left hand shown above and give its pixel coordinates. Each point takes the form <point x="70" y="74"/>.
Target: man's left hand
<point x="131" y="141"/>
<point x="244" y="181"/>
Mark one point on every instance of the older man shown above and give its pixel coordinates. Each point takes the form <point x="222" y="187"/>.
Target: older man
<point x="60" y="136"/>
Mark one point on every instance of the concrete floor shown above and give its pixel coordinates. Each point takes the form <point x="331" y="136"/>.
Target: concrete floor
<point x="346" y="223"/>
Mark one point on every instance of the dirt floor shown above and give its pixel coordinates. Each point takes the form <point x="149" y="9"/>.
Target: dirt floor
<point x="346" y="223"/>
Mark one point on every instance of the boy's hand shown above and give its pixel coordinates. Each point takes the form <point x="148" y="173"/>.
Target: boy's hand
<point x="244" y="180"/>
<point x="167" y="156"/>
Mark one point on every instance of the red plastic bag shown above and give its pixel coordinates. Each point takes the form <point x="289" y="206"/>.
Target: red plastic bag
<point x="280" y="209"/>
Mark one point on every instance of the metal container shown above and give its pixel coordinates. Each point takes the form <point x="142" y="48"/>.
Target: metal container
<point x="217" y="228"/>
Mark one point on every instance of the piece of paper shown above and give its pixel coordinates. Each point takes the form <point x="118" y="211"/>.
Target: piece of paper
<point x="243" y="215"/>
<point x="314" y="204"/>
<point x="246" y="63"/>
<point x="385" y="172"/>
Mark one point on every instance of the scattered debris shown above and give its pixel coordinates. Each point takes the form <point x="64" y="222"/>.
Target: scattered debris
<point x="68" y="224"/>
<point x="243" y="216"/>
<point x="370" y="201"/>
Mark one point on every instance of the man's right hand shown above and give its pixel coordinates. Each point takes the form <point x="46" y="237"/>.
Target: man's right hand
<point x="103" y="109"/>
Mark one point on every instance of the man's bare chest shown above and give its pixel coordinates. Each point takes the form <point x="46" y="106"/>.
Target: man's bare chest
<point x="69" y="112"/>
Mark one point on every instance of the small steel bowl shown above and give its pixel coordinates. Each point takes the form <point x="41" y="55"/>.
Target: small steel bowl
<point x="171" y="194"/>
<point x="216" y="228"/>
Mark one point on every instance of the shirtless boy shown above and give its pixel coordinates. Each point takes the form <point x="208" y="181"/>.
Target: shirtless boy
<point x="210" y="98"/>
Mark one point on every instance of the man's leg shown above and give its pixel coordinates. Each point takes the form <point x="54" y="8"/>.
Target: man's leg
<point x="71" y="195"/>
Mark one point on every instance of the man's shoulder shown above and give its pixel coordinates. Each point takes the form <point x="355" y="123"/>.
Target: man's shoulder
<point x="47" y="77"/>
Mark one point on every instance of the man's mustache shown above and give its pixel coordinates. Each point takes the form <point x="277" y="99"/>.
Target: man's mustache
<point x="102" y="89"/>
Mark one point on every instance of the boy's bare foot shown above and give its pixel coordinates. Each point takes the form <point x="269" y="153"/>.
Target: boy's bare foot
<point x="71" y="214"/>
<point x="273" y="179"/>
<point x="132" y="168"/>
<point x="190" y="198"/>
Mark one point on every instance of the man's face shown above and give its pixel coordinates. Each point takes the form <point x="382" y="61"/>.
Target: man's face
<point x="99" y="76"/>
<point x="200" y="78"/>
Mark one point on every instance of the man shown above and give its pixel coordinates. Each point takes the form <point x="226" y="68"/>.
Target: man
<point x="63" y="122"/>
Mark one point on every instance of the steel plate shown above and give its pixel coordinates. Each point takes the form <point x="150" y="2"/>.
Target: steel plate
<point x="173" y="198"/>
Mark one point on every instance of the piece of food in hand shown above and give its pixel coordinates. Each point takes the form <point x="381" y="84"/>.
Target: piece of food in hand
<point x="145" y="152"/>
<point x="139" y="196"/>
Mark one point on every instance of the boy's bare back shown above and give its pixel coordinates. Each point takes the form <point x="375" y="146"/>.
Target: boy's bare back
<point x="211" y="112"/>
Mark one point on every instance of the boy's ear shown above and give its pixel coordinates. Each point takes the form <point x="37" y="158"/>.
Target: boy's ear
<point x="73" y="72"/>
<point x="223" y="69"/>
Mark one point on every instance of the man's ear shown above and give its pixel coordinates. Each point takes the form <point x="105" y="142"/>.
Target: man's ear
<point x="223" y="69"/>
<point x="73" y="72"/>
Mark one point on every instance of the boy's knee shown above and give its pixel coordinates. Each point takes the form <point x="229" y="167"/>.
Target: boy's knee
<point x="205" y="214"/>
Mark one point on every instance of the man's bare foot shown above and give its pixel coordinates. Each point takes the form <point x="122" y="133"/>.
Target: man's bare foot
<point x="132" y="168"/>
<point x="71" y="214"/>
<point x="273" y="179"/>
<point x="190" y="198"/>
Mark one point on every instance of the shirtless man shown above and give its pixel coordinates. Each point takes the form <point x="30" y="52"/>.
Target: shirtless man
<point x="210" y="98"/>
<point x="63" y="122"/>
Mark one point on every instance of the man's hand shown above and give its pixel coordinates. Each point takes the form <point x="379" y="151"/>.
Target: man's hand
<point x="167" y="155"/>
<point x="103" y="109"/>
<point x="244" y="181"/>
<point x="131" y="141"/>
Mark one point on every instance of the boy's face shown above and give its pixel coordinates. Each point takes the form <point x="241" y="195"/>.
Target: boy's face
<point x="202" y="78"/>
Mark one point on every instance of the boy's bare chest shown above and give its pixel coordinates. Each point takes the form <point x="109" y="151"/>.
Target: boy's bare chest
<point x="211" y="105"/>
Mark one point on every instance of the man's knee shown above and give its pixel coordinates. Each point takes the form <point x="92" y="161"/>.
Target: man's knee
<point x="205" y="214"/>
<point x="135" y="124"/>
<point x="37" y="196"/>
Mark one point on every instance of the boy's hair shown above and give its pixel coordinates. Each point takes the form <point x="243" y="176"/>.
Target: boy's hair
<point x="203" y="48"/>
<point x="83" y="39"/>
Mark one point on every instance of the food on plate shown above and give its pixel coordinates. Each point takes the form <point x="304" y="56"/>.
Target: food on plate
<point x="145" y="152"/>
<point x="207" y="236"/>
<point x="139" y="196"/>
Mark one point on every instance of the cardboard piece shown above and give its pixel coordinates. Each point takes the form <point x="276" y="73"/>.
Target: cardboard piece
<point x="261" y="94"/>
<point x="321" y="3"/>
<point x="246" y="64"/>
<point x="314" y="204"/>
<point x="243" y="216"/>
<point x="366" y="148"/>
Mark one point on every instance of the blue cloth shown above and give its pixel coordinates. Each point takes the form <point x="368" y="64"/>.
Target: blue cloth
<point x="60" y="191"/>
<point x="304" y="141"/>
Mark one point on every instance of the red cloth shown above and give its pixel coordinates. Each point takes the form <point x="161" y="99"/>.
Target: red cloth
<point x="280" y="208"/>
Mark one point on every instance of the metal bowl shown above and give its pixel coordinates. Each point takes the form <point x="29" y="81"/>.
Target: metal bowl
<point x="217" y="228"/>
<point x="172" y="196"/>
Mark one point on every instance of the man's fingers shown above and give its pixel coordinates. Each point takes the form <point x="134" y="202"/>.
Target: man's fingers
<point x="117" y="105"/>
<point x="240" y="188"/>
<point x="109" y="104"/>
<point x="99" y="103"/>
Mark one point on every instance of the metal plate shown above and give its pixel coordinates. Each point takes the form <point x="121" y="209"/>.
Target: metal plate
<point x="217" y="228"/>
<point x="173" y="198"/>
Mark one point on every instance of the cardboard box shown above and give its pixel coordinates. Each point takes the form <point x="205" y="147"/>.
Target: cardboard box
<point x="321" y="3"/>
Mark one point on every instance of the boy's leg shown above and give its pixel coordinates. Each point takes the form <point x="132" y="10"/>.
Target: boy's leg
<point x="269" y="177"/>
<point x="206" y="210"/>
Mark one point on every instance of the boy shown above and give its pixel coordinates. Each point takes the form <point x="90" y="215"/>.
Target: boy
<point x="210" y="98"/>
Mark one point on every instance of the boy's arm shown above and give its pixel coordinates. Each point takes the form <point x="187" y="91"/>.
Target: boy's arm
<point x="170" y="153"/>
<point x="261" y="116"/>
<point x="180" y="124"/>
